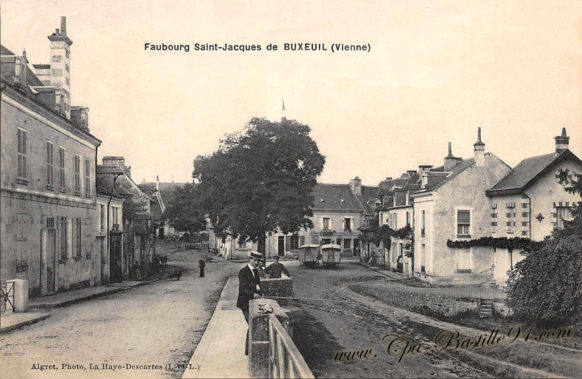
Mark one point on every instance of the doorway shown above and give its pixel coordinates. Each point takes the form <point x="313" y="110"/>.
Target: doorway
<point x="48" y="261"/>
<point x="281" y="246"/>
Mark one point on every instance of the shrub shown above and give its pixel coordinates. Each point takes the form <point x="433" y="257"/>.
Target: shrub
<point x="547" y="284"/>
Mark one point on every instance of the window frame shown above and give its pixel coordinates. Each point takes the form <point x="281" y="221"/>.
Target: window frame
<point x="21" y="153"/>
<point x="50" y="156"/>
<point x="87" y="177"/>
<point x="466" y="230"/>
<point x="62" y="169"/>
<point x="77" y="174"/>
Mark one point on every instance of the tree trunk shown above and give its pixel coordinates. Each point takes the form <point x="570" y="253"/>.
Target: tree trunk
<point x="261" y="246"/>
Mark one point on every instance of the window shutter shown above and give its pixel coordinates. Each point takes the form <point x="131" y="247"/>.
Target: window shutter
<point x="463" y="217"/>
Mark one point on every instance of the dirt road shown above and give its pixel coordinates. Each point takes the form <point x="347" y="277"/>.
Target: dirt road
<point x="152" y="328"/>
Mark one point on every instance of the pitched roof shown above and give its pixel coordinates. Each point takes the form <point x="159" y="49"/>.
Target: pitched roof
<point x="4" y="50"/>
<point x="368" y="198"/>
<point x="438" y="176"/>
<point x="335" y="197"/>
<point x="527" y="171"/>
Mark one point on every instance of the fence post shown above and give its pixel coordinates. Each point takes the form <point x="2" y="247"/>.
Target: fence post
<point x="259" y="334"/>
<point x="20" y="291"/>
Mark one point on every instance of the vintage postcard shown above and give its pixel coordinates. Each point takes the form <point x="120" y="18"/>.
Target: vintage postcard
<point x="228" y="188"/>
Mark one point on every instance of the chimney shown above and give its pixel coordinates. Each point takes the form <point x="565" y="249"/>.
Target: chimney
<point x="410" y="173"/>
<point x="114" y="161"/>
<point x="21" y="70"/>
<point x="63" y="25"/>
<point x="450" y="160"/>
<point x="423" y="169"/>
<point x="479" y="149"/>
<point x="80" y="117"/>
<point x="157" y="182"/>
<point x="562" y="141"/>
<point x="356" y="185"/>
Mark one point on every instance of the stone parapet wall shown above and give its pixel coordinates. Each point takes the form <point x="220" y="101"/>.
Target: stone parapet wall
<point x="280" y="289"/>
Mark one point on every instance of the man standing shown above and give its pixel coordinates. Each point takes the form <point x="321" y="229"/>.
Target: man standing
<point x="249" y="287"/>
<point x="275" y="269"/>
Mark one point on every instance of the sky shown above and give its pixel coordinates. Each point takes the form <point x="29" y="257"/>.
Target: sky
<point x="435" y="72"/>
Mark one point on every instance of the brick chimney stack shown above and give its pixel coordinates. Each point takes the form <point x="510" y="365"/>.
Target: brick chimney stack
<point x="562" y="141"/>
<point x="479" y="149"/>
<point x="356" y="185"/>
<point x="450" y="160"/>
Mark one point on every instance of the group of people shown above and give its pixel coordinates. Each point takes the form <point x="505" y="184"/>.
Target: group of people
<point x="249" y="286"/>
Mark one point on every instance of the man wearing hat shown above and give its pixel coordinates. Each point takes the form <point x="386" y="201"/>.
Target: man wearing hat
<point x="249" y="287"/>
<point x="275" y="268"/>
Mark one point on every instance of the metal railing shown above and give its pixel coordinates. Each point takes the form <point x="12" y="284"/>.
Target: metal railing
<point x="285" y="360"/>
<point x="7" y="297"/>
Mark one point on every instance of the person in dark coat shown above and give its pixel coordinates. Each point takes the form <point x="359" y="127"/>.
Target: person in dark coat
<point x="201" y="265"/>
<point x="249" y="287"/>
<point x="274" y="270"/>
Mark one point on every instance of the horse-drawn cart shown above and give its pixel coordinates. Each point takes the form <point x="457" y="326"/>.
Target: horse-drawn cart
<point x="308" y="255"/>
<point x="331" y="255"/>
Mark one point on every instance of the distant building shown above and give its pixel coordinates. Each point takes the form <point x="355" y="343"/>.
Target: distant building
<point x="48" y="159"/>
<point x="339" y="211"/>
<point x="451" y="205"/>
<point x="530" y="202"/>
<point x="164" y="193"/>
<point x="110" y="233"/>
<point x="138" y="215"/>
<point x="395" y="209"/>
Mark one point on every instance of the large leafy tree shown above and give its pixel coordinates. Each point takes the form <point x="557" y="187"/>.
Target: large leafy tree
<point x="547" y="284"/>
<point x="260" y="180"/>
<point x="184" y="211"/>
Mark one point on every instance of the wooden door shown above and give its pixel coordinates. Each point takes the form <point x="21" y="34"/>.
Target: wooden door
<point x="48" y="261"/>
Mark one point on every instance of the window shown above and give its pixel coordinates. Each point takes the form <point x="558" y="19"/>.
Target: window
<point x="56" y="58"/>
<point x="115" y="216"/>
<point x="77" y="174"/>
<point x="294" y="242"/>
<point x="562" y="214"/>
<point x="49" y="165"/>
<point x="395" y="220"/>
<point x="50" y="222"/>
<point x="524" y="214"/>
<point x="325" y="223"/>
<point x="423" y="228"/>
<point x="407" y="218"/>
<point x="77" y="237"/>
<point x="463" y="223"/>
<point x="102" y="218"/>
<point x="347" y="243"/>
<point x="347" y="225"/>
<point x="87" y="177"/>
<point x="62" y="168"/>
<point x="22" y="172"/>
<point x="63" y="235"/>
<point x="493" y="223"/>
<point x="524" y="205"/>
<point x="524" y="223"/>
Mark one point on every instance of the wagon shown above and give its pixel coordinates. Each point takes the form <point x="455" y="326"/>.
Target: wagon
<point x="308" y="255"/>
<point x="331" y="254"/>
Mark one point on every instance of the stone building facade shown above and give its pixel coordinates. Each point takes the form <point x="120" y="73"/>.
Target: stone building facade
<point x="48" y="195"/>
<point x="530" y="202"/>
<point x="451" y="205"/>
